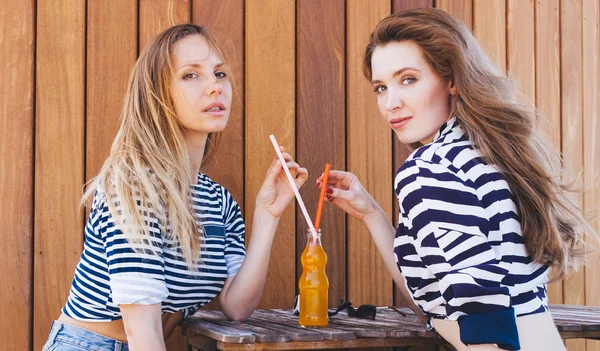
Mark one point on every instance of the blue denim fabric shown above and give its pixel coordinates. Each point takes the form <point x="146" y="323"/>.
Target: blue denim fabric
<point x="66" y="337"/>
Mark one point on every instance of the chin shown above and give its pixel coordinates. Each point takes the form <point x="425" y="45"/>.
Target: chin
<point x="406" y="138"/>
<point x="215" y="126"/>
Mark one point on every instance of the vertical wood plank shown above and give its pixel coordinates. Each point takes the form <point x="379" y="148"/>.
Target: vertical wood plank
<point x="321" y="126"/>
<point x="16" y="169"/>
<point x="401" y="151"/>
<point x="591" y="147"/>
<point x="571" y="77"/>
<point x="367" y="135"/>
<point x="154" y="17"/>
<point x="225" y="19"/>
<point x="520" y="50"/>
<point x="548" y="87"/>
<point x="270" y="108"/>
<point x="59" y="157"/>
<point x="489" y="27"/>
<point x="399" y="5"/>
<point x="462" y="9"/>
<point x="111" y="53"/>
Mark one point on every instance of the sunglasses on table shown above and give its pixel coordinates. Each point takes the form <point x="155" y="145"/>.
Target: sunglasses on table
<point x="363" y="311"/>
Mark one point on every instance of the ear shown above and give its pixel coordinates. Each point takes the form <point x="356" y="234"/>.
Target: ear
<point x="451" y="87"/>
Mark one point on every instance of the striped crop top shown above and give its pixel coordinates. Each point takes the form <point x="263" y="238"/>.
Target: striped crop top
<point x="110" y="272"/>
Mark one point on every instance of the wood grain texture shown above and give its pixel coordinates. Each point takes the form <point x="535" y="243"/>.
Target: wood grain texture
<point x="548" y="86"/>
<point x="270" y="109"/>
<point x="591" y="145"/>
<point x="111" y="53"/>
<point x="158" y="15"/>
<point x="462" y="9"/>
<point x="225" y="19"/>
<point x="399" y="5"/>
<point x="59" y="157"/>
<point x="17" y="25"/>
<point x="344" y="331"/>
<point x="572" y="128"/>
<point x="489" y="28"/>
<point x="520" y="46"/>
<point x="369" y="155"/>
<point x="321" y="126"/>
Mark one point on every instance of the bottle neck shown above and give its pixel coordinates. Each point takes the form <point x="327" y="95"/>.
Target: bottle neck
<point x="311" y="241"/>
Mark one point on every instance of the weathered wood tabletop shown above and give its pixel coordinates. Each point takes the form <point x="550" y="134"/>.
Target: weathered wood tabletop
<point x="279" y="330"/>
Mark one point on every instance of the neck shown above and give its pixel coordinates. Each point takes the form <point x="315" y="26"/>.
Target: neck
<point x="196" y="143"/>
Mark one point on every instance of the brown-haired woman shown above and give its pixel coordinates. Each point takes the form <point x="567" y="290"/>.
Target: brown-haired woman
<point x="483" y="212"/>
<point x="163" y="239"/>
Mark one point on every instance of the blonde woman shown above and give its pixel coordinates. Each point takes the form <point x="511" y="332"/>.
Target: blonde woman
<point x="483" y="212"/>
<point x="163" y="239"/>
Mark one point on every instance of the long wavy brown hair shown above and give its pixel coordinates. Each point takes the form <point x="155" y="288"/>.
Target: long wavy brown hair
<point x="502" y="130"/>
<point x="149" y="156"/>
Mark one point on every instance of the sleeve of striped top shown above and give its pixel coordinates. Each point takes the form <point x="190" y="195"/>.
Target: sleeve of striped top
<point x="235" y="230"/>
<point x="136" y="271"/>
<point x="449" y="226"/>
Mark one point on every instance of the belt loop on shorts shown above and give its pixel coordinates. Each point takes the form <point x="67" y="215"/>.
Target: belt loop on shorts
<point x="118" y="345"/>
<point x="54" y="330"/>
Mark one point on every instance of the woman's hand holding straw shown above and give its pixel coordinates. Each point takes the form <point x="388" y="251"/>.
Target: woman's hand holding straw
<point x="293" y="185"/>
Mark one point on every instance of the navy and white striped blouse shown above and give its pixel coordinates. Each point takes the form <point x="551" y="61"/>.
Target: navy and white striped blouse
<point x="110" y="272"/>
<point x="459" y="242"/>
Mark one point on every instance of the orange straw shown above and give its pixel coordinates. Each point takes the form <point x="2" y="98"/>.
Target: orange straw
<point x="322" y="197"/>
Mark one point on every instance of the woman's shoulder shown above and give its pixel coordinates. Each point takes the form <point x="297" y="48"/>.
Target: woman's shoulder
<point x="456" y="156"/>
<point x="208" y="186"/>
<point x="437" y="162"/>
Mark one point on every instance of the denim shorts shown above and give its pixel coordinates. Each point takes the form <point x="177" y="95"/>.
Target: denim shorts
<point x="66" y="337"/>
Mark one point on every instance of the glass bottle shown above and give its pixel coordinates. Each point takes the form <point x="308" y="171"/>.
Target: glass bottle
<point x="313" y="285"/>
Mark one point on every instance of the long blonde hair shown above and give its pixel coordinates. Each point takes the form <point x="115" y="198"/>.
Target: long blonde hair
<point x="148" y="160"/>
<point x="503" y="131"/>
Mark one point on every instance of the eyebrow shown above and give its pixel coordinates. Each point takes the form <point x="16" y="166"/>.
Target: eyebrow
<point x="396" y="74"/>
<point x="197" y="65"/>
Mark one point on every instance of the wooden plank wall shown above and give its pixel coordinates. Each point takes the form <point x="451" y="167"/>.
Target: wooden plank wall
<point x="297" y="68"/>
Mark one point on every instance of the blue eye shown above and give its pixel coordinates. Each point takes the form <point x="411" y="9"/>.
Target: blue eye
<point x="408" y="80"/>
<point x="380" y="89"/>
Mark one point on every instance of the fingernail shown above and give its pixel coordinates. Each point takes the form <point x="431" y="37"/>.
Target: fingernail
<point x="329" y="191"/>
<point x="319" y="185"/>
<point x="329" y="198"/>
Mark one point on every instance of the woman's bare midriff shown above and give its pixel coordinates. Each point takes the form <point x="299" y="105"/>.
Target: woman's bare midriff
<point x="116" y="329"/>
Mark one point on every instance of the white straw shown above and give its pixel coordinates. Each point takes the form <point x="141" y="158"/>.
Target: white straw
<point x="293" y="185"/>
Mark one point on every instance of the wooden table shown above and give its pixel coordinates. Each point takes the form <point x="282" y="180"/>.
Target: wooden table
<point x="279" y="330"/>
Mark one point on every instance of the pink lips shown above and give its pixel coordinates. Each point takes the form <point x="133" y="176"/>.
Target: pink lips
<point x="215" y="109"/>
<point x="399" y="122"/>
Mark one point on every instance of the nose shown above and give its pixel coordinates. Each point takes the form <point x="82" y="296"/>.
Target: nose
<point x="394" y="100"/>
<point x="215" y="88"/>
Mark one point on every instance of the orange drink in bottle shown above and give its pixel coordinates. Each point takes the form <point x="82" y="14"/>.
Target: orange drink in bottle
<point x="314" y="285"/>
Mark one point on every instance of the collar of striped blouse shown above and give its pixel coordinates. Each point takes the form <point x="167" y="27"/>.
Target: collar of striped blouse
<point x="446" y="127"/>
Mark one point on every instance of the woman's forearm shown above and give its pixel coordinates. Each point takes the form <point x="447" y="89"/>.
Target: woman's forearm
<point x="146" y="342"/>
<point x="244" y="293"/>
<point x="383" y="234"/>
<point x="143" y="326"/>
